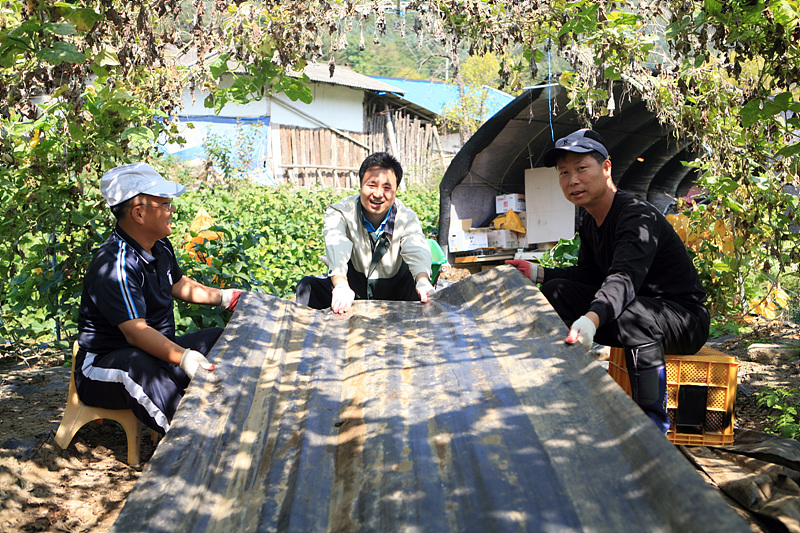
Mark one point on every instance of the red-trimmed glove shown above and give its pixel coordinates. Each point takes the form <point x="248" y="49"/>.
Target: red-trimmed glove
<point x="528" y="269"/>
<point x="230" y="297"/>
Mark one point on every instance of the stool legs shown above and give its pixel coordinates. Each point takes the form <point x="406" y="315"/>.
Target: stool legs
<point x="77" y="414"/>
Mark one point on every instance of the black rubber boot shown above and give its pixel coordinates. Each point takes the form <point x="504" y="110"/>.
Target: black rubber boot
<point x="647" y="370"/>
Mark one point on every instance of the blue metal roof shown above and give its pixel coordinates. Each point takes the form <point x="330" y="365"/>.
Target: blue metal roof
<point x="434" y="95"/>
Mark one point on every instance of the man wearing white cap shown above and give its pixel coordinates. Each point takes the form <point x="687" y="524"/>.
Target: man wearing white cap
<point x="129" y="355"/>
<point x="634" y="285"/>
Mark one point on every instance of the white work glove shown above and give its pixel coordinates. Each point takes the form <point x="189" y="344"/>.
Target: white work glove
<point x="424" y="289"/>
<point x="342" y="297"/>
<point x="528" y="269"/>
<point x="230" y="297"/>
<point x="582" y="331"/>
<point x="191" y="360"/>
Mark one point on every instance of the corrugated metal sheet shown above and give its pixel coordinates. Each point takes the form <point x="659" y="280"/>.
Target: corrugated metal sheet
<point x="320" y="72"/>
<point x="465" y="414"/>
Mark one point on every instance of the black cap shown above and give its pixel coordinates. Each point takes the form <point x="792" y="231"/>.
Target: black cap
<point x="580" y="142"/>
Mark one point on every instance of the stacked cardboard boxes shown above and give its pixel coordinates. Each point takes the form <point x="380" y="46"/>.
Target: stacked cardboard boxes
<point x="463" y="237"/>
<point x="509" y="225"/>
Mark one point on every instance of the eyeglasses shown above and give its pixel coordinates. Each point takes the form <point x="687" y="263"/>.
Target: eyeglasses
<point x="168" y="207"/>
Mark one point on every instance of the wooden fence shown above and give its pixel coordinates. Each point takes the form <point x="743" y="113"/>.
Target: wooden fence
<point x="330" y="157"/>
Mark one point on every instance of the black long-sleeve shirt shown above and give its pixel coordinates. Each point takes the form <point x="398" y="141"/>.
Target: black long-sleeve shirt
<point x="635" y="252"/>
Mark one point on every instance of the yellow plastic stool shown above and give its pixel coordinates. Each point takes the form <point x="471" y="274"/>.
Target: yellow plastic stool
<point x="77" y="414"/>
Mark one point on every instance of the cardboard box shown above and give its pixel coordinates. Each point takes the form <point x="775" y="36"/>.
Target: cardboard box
<point x="505" y="238"/>
<point x="471" y="239"/>
<point x="509" y="202"/>
<point x="464" y="237"/>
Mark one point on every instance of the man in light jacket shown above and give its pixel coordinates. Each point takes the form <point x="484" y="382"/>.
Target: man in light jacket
<point x="374" y="244"/>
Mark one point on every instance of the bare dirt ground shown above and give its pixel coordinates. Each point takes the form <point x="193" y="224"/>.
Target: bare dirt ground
<point x="45" y="488"/>
<point x="83" y="488"/>
<point x="758" y="371"/>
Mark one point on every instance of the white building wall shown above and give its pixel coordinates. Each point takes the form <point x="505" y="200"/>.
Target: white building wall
<point x="333" y="105"/>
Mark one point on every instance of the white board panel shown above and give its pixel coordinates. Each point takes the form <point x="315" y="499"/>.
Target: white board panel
<point x="550" y="216"/>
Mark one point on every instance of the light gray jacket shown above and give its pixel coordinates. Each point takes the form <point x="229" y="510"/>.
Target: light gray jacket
<point x="346" y="238"/>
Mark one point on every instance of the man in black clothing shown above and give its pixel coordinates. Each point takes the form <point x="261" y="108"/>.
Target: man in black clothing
<point x="634" y="285"/>
<point x="129" y="355"/>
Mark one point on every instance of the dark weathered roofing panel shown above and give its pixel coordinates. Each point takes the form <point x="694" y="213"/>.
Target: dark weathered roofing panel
<point x="320" y="72"/>
<point x="465" y="414"/>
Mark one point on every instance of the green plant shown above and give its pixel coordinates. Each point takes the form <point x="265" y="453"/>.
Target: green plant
<point x="45" y="249"/>
<point x="67" y="115"/>
<point x="719" y="328"/>
<point x="234" y="159"/>
<point x="785" y="405"/>
<point x="272" y="237"/>
<point x="225" y="262"/>
<point x="83" y="89"/>
<point x="563" y="254"/>
<point x="425" y="203"/>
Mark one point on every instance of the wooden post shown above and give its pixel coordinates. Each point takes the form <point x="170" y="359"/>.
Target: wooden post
<point x="438" y="145"/>
<point x="390" y="132"/>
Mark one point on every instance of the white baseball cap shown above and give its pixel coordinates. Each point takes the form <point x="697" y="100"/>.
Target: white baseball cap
<point x="126" y="181"/>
